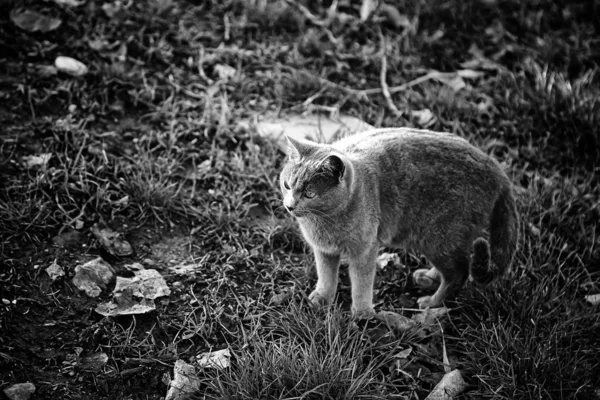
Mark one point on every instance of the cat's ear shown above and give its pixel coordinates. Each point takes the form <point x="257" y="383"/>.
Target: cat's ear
<point x="335" y="166"/>
<point x="340" y="167"/>
<point x="298" y="148"/>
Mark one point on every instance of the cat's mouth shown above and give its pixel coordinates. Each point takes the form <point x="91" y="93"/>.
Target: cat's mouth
<point x="299" y="213"/>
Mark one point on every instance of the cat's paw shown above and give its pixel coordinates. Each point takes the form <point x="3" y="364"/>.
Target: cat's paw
<point x="320" y="299"/>
<point x="362" y="314"/>
<point x="423" y="279"/>
<point x="426" y="301"/>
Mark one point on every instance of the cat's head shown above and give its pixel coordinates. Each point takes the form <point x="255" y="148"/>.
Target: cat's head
<point x="315" y="180"/>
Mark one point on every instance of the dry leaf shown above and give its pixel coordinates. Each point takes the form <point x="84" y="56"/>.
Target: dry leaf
<point x="70" y="3"/>
<point x="185" y="381"/>
<point x="70" y="66"/>
<point x="135" y="295"/>
<point x="40" y="160"/>
<point x="93" y="276"/>
<point x="33" y="21"/>
<point x="394" y="17"/>
<point x="94" y="362"/>
<point x="55" y="271"/>
<point x="404" y="353"/>
<point x="430" y="316"/>
<point x="384" y="259"/>
<point x="451" y="385"/>
<point x="219" y="359"/>
<point x="396" y="322"/>
<point x="225" y="72"/>
<point x="594" y="299"/>
<point x="111" y="241"/>
<point x="425" y="118"/>
<point x="366" y="8"/>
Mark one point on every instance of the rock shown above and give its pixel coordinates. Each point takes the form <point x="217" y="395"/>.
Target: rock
<point x="93" y="277"/>
<point x="20" y="391"/>
<point x="315" y="127"/>
<point x="70" y="66"/>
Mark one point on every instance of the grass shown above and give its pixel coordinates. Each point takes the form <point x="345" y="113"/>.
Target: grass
<point x="149" y="143"/>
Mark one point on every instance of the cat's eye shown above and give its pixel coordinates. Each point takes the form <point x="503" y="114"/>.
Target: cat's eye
<point x="286" y="185"/>
<point x="309" y="194"/>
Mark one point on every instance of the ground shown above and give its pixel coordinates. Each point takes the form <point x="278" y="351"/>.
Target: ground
<point x="149" y="143"/>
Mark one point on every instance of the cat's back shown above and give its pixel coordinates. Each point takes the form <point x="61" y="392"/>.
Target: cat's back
<point x="415" y="147"/>
<point x="399" y="140"/>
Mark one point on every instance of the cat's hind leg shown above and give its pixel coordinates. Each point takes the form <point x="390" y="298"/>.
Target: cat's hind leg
<point x="427" y="278"/>
<point x="327" y="279"/>
<point x="454" y="271"/>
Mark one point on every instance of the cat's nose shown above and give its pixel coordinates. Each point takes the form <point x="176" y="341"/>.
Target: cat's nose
<point x="290" y="208"/>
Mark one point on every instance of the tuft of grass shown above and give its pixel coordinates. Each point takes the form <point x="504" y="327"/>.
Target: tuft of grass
<point x="296" y="354"/>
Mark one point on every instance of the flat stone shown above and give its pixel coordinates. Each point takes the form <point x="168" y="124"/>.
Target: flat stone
<point x="20" y="391"/>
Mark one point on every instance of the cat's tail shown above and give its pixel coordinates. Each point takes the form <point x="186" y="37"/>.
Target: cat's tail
<point x="493" y="259"/>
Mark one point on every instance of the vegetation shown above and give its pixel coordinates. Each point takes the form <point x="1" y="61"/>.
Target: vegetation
<point x="150" y="143"/>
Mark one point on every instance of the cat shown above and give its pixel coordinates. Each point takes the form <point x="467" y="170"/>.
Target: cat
<point x="403" y="188"/>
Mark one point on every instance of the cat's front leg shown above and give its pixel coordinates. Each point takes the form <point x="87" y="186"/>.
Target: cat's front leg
<point x="362" y="276"/>
<point x="327" y="278"/>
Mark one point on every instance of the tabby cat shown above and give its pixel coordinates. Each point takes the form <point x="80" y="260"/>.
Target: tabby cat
<point x="406" y="188"/>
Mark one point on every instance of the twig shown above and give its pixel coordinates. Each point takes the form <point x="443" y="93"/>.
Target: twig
<point x="227" y="25"/>
<point x="400" y="88"/>
<point x="382" y="80"/>
<point x="326" y="82"/>
<point x="311" y="17"/>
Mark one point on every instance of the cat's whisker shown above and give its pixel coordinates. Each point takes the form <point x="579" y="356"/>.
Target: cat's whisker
<point x="321" y="214"/>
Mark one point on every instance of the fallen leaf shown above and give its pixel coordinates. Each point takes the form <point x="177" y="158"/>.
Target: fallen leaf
<point x="113" y="10"/>
<point x="404" y="353"/>
<point x="451" y="385"/>
<point x="185" y="381"/>
<point x="218" y="359"/>
<point x="366" y="8"/>
<point x="185" y="269"/>
<point x="70" y="66"/>
<point x="385" y="258"/>
<point x="593" y="299"/>
<point x="425" y="118"/>
<point x="430" y="316"/>
<point x="70" y="3"/>
<point x="93" y="276"/>
<point x="33" y="21"/>
<point x="111" y="241"/>
<point x="394" y="17"/>
<point x="135" y="295"/>
<point x="45" y="70"/>
<point x="67" y="239"/>
<point x="225" y="72"/>
<point x="40" y="160"/>
<point x="94" y="362"/>
<point x="395" y="321"/>
<point x="55" y="271"/>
